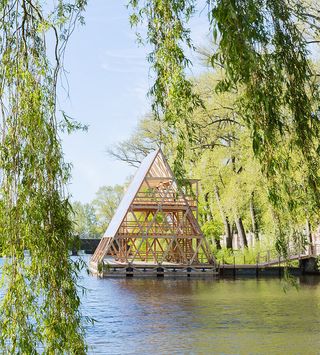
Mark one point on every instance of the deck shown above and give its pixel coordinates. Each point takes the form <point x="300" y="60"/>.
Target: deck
<point x="113" y="268"/>
<point x="267" y="264"/>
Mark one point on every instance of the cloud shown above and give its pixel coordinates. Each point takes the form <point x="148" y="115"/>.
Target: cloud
<point x="140" y="91"/>
<point x="125" y="61"/>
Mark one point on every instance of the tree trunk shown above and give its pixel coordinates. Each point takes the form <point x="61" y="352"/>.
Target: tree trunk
<point x="241" y="231"/>
<point x="225" y="219"/>
<point x="209" y="218"/>
<point x="255" y="228"/>
<point x="309" y="234"/>
<point x="208" y="210"/>
<point x="218" y="244"/>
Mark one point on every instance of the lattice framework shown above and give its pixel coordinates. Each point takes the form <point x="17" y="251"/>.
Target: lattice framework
<point x="159" y="225"/>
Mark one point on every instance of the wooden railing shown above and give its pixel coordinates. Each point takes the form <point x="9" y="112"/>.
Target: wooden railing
<point x="271" y="257"/>
<point x="146" y="198"/>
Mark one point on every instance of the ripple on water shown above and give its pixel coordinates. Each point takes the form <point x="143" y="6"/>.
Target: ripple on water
<point x="151" y="316"/>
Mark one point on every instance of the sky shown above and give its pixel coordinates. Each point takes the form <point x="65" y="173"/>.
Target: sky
<point x="108" y="79"/>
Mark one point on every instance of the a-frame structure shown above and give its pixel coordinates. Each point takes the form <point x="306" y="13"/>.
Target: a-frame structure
<point x="156" y="222"/>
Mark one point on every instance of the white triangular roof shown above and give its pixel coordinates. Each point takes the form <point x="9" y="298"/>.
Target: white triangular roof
<point x="130" y="194"/>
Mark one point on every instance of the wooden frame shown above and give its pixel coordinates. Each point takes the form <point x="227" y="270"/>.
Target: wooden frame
<point x="159" y="224"/>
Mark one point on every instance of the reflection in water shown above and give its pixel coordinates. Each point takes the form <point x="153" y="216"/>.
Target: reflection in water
<point x="245" y="316"/>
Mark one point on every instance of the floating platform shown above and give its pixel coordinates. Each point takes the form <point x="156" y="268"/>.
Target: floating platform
<point x="252" y="270"/>
<point x="112" y="268"/>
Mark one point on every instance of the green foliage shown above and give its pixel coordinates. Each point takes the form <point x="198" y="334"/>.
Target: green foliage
<point x="269" y="60"/>
<point x="224" y="256"/>
<point x="221" y="156"/>
<point x="173" y="97"/>
<point x="263" y="49"/>
<point x="213" y="229"/>
<point x="105" y="204"/>
<point x="85" y="220"/>
<point x="100" y="267"/>
<point x="246" y="256"/>
<point x="40" y="306"/>
<point x="166" y="32"/>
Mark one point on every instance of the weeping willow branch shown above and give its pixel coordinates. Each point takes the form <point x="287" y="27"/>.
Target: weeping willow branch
<point x="174" y="99"/>
<point x="266" y="58"/>
<point x="264" y="51"/>
<point x="40" y="308"/>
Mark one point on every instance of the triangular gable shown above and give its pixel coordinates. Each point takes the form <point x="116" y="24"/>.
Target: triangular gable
<point x="130" y="194"/>
<point x="163" y="169"/>
<point x="160" y="168"/>
<point x="162" y="162"/>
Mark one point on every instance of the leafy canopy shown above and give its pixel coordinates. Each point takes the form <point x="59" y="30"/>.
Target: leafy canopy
<point x="263" y="47"/>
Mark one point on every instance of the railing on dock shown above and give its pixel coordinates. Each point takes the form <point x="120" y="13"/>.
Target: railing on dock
<point x="272" y="257"/>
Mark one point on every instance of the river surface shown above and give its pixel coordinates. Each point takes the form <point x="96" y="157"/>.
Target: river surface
<point x="166" y="316"/>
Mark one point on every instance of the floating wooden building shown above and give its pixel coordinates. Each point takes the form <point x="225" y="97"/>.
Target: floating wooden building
<point x="155" y="228"/>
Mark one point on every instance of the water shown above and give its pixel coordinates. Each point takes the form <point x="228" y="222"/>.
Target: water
<point x="160" y="316"/>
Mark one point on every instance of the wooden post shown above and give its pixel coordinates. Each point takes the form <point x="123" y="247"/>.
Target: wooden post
<point x="147" y="250"/>
<point x="129" y="271"/>
<point x="197" y="197"/>
<point x="160" y="271"/>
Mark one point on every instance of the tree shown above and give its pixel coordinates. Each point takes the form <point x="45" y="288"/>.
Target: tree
<point x="148" y="136"/>
<point x="92" y="219"/>
<point x="105" y="204"/>
<point x="40" y="304"/>
<point x="264" y="49"/>
<point x="233" y="191"/>
<point x="85" y="220"/>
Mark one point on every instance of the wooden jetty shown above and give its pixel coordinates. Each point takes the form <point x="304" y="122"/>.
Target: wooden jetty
<point x="155" y="230"/>
<point x="270" y="263"/>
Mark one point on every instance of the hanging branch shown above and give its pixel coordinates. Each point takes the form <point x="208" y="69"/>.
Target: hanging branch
<point x="172" y="93"/>
<point x="264" y="52"/>
<point x="40" y="308"/>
